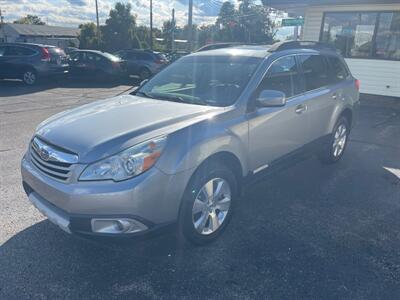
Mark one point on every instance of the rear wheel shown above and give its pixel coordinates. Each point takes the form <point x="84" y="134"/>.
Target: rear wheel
<point x="208" y="203"/>
<point x="29" y="77"/>
<point x="144" y="73"/>
<point x="334" y="150"/>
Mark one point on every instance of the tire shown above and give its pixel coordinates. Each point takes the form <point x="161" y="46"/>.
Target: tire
<point x="29" y="77"/>
<point x="333" y="151"/>
<point x="202" y="224"/>
<point x="144" y="73"/>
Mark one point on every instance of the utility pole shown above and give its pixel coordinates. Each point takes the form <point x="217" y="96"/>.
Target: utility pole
<point x="98" y="25"/>
<point x="1" y="17"/>
<point x="190" y="26"/>
<point x="151" y="24"/>
<point x="173" y="31"/>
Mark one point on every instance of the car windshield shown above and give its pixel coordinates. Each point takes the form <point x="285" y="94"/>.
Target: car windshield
<point x="205" y="80"/>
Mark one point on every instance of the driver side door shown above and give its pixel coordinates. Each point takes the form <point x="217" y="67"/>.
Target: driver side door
<point x="275" y="132"/>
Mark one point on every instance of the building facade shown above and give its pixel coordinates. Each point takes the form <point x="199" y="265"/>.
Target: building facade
<point x="39" y="34"/>
<point x="366" y="32"/>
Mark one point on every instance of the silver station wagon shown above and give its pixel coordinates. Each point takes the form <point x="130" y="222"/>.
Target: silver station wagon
<point x="178" y="151"/>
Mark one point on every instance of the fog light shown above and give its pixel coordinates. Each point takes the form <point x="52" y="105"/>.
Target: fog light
<point x="117" y="226"/>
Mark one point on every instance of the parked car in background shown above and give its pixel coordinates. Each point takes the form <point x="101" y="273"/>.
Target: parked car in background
<point x="173" y="56"/>
<point x="179" y="149"/>
<point x="95" y="64"/>
<point x="143" y="63"/>
<point x="29" y="62"/>
<point x="69" y="50"/>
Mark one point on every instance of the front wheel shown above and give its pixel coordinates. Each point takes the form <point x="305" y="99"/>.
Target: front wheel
<point x="208" y="203"/>
<point x="333" y="152"/>
<point x="144" y="74"/>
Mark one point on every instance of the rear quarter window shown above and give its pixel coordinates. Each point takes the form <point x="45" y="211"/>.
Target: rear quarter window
<point x="337" y="69"/>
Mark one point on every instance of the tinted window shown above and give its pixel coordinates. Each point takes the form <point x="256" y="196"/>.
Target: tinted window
<point x="282" y="76"/>
<point x="315" y="71"/>
<point x="18" y="51"/>
<point x="338" y="71"/>
<point x="144" y="56"/>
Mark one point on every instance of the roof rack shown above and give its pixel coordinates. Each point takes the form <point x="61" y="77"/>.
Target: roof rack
<point x="288" y="45"/>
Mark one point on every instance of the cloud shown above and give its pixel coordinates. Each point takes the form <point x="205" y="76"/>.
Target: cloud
<point x="71" y="13"/>
<point x="77" y="2"/>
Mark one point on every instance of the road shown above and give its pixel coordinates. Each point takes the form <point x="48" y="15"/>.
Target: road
<point x="311" y="231"/>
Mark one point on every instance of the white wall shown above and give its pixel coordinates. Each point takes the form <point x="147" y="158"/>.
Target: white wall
<point x="378" y="77"/>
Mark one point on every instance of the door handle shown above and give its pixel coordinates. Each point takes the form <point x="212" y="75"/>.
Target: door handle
<point x="301" y="108"/>
<point x="334" y="96"/>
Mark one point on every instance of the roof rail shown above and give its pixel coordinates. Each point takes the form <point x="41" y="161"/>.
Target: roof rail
<point x="301" y="45"/>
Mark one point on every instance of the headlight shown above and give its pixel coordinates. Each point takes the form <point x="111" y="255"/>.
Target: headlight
<point x="126" y="164"/>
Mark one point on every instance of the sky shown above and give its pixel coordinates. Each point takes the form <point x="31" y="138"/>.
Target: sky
<point x="71" y="13"/>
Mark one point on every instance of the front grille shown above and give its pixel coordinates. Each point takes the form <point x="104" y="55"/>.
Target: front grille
<point x="56" y="164"/>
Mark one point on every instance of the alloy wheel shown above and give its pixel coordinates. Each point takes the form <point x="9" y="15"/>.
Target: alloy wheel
<point x="29" y="77"/>
<point x="339" y="141"/>
<point x="211" y="206"/>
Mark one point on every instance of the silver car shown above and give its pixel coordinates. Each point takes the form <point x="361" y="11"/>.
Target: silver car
<point x="178" y="152"/>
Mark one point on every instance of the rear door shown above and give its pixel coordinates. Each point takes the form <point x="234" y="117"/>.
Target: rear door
<point x="77" y="64"/>
<point x="277" y="131"/>
<point x="320" y="96"/>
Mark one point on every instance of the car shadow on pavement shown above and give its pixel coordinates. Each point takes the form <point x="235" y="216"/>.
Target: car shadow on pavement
<point x="308" y="232"/>
<point x="10" y="88"/>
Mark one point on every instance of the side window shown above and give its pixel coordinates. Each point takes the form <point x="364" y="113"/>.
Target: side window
<point x="18" y="51"/>
<point x="338" y="71"/>
<point x="75" y="56"/>
<point x="144" y="56"/>
<point x="315" y="71"/>
<point x="131" y="55"/>
<point x="282" y="76"/>
<point x="2" y="50"/>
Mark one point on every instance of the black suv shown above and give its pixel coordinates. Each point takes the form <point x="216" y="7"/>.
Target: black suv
<point x="29" y="62"/>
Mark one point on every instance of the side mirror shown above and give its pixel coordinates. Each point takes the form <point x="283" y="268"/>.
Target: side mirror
<point x="143" y="82"/>
<point x="271" y="98"/>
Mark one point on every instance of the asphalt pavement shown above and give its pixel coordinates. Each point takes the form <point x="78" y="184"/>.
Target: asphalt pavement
<point x="309" y="232"/>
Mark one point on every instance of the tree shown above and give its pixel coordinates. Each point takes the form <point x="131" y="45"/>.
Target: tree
<point x="227" y="21"/>
<point x="30" y="19"/>
<point x="168" y="27"/>
<point x="88" y="37"/>
<point x="119" y="31"/>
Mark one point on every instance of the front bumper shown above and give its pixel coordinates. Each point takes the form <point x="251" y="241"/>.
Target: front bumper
<point x="153" y="199"/>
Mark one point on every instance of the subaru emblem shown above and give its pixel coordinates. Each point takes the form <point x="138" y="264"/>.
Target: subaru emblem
<point x="44" y="154"/>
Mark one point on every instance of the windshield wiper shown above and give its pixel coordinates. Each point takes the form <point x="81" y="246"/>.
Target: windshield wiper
<point x="147" y="95"/>
<point x="173" y="98"/>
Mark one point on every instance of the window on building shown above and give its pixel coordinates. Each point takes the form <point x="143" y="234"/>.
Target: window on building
<point x="387" y="45"/>
<point x="363" y="34"/>
<point x="315" y="71"/>
<point x="282" y="76"/>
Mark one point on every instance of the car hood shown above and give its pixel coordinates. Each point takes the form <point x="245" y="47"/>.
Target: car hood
<point x="103" y="128"/>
